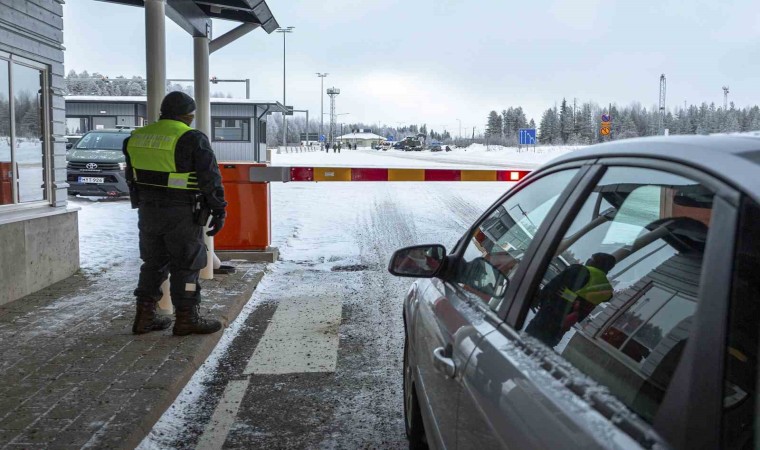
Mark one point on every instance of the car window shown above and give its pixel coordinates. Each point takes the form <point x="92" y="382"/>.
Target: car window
<point x="499" y="242"/>
<point x="741" y="352"/>
<point x="618" y="297"/>
<point x="102" y="141"/>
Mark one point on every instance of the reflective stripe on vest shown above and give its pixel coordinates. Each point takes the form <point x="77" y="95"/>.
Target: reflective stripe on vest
<point x="596" y="290"/>
<point x="151" y="152"/>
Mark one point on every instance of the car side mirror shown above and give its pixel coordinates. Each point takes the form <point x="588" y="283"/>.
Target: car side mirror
<point x="419" y="261"/>
<point x="69" y="146"/>
<point x="483" y="276"/>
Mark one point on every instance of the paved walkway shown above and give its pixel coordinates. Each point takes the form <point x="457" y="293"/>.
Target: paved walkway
<point x="73" y="375"/>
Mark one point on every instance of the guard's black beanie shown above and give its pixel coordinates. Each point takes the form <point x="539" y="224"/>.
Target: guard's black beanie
<point x="177" y="104"/>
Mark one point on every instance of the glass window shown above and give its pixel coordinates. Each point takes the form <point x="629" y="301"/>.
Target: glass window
<point x="30" y="150"/>
<point x="618" y="297"/>
<point x="76" y="126"/>
<point x="6" y="167"/>
<point x="231" y="130"/>
<point x="102" y="141"/>
<point x="741" y="352"/>
<point x="499" y="242"/>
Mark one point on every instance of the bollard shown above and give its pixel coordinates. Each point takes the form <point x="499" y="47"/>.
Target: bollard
<point x="165" y="304"/>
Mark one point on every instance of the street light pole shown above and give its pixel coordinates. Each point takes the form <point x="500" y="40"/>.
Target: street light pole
<point x="284" y="32"/>
<point x="460" y="128"/>
<point x="321" y="103"/>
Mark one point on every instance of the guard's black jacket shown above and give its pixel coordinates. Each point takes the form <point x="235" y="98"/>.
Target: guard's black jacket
<point x="193" y="153"/>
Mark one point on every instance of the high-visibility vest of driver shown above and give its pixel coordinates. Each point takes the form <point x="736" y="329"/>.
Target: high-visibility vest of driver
<point x="151" y="155"/>
<point x="596" y="290"/>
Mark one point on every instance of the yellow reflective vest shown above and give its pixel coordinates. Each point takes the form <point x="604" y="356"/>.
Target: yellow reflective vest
<point x="151" y="155"/>
<point x="596" y="290"/>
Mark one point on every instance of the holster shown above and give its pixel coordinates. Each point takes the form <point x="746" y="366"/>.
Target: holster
<point x="201" y="211"/>
<point x="134" y="196"/>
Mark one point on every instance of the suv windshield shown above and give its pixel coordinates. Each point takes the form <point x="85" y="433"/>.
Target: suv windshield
<point x="102" y="141"/>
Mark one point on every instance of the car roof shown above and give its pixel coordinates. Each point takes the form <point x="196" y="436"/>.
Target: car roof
<point x="735" y="158"/>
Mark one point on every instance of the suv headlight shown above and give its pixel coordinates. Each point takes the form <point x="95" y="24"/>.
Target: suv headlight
<point x="122" y="166"/>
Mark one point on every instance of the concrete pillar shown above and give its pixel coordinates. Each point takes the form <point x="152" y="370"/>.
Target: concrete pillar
<point x="203" y="123"/>
<point x="155" y="67"/>
<point x="155" y="55"/>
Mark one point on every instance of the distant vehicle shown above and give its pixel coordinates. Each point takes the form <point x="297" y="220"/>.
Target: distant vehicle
<point x="435" y="146"/>
<point x="412" y="143"/>
<point x="385" y="145"/>
<point x="609" y="300"/>
<point x="95" y="164"/>
<point x="399" y="145"/>
<point x="71" y="141"/>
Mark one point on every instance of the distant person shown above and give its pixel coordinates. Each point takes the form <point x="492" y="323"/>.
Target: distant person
<point x="327" y="147"/>
<point x="354" y="146"/>
<point x="448" y="149"/>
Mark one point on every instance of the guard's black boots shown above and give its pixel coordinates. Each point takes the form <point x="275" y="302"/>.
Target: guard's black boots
<point x="189" y="321"/>
<point x="146" y="319"/>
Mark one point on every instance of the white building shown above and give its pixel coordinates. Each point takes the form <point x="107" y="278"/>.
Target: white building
<point x="361" y="137"/>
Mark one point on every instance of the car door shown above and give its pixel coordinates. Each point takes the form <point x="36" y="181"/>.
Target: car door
<point x="455" y="312"/>
<point x="598" y="345"/>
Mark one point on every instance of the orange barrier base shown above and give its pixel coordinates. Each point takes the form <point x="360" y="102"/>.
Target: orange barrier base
<point x="6" y="193"/>
<point x="6" y="180"/>
<point x="248" y="223"/>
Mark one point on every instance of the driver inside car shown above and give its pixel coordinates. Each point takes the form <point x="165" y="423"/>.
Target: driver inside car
<point x="571" y="296"/>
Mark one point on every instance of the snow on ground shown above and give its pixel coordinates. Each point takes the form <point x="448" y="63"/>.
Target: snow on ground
<point x="108" y="228"/>
<point x="320" y="226"/>
<point x="475" y="156"/>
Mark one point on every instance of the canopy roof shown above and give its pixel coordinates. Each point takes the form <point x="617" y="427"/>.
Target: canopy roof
<point x="192" y="15"/>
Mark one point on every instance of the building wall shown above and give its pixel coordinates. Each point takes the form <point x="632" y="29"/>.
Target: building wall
<point x="36" y="253"/>
<point x="129" y="113"/>
<point x="233" y="151"/>
<point x="40" y="242"/>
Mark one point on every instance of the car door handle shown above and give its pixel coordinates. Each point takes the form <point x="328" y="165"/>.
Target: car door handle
<point x="443" y="363"/>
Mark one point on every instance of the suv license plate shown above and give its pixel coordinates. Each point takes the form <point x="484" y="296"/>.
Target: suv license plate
<point x="97" y="180"/>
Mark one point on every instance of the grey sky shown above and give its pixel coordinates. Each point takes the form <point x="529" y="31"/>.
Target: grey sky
<point x="433" y="61"/>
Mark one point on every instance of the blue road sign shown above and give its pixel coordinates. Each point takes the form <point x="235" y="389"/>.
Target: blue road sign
<point x="605" y="117"/>
<point x="322" y="138"/>
<point x="390" y="138"/>
<point x="527" y="136"/>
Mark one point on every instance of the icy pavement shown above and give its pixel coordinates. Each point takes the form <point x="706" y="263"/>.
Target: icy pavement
<point x="73" y="373"/>
<point x="335" y="240"/>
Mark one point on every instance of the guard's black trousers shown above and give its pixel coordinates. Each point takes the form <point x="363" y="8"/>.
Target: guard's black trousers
<point x="170" y="243"/>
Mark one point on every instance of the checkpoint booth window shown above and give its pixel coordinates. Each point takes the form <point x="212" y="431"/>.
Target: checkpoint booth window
<point x="77" y="125"/>
<point x="24" y="165"/>
<point x="231" y="129"/>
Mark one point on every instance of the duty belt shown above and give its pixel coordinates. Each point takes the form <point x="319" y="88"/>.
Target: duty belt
<point x="187" y="180"/>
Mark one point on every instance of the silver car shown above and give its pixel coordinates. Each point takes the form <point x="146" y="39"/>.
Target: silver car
<point x="609" y="300"/>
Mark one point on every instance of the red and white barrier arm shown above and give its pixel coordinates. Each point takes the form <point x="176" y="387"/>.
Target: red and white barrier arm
<point x="286" y="174"/>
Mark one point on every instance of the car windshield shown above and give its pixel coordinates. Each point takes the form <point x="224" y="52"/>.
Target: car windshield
<point x="102" y="141"/>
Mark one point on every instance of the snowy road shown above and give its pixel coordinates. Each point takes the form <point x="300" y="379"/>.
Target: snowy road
<point x="336" y="383"/>
<point x="314" y="360"/>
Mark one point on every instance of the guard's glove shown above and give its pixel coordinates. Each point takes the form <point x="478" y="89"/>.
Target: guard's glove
<point x="217" y="221"/>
